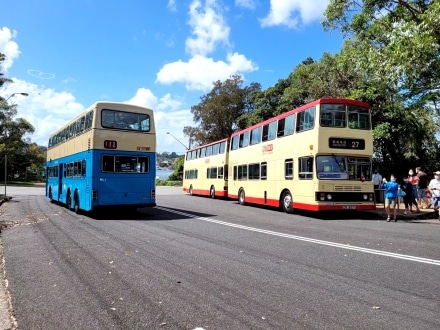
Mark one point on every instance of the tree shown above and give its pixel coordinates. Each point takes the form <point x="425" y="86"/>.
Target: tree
<point x="218" y="112"/>
<point x="398" y="40"/>
<point x="177" y="175"/>
<point x="12" y="130"/>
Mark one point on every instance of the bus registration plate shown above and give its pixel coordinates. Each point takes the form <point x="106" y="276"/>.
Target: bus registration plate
<point x="349" y="207"/>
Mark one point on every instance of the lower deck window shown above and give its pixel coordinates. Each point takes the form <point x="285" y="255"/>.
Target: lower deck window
<point x="125" y="164"/>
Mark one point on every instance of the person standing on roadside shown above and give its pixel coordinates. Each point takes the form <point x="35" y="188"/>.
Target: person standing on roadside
<point x="434" y="188"/>
<point x="377" y="181"/>
<point x="408" y="199"/>
<point x="414" y="180"/>
<point x="391" y="190"/>
<point x="422" y="185"/>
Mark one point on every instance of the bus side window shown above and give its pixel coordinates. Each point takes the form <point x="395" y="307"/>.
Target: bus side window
<point x="288" y="169"/>
<point x="263" y="171"/>
<point x="305" y="167"/>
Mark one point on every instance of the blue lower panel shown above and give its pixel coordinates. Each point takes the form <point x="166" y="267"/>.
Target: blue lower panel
<point x="127" y="190"/>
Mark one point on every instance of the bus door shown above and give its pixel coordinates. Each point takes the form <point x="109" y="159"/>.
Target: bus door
<point x="60" y="180"/>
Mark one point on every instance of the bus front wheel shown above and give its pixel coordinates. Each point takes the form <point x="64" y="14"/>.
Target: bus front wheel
<point x="241" y="197"/>
<point x="212" y="192"/>
<point x="287" y="202"/>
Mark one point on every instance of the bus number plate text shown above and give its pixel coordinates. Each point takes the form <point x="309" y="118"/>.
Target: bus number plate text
<point x="110" y="144"/>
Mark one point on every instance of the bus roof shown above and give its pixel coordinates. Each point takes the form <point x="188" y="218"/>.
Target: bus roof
<point x="208" y="144"/>
<point x="303" y="107"/>
<point x="97" y="104"/>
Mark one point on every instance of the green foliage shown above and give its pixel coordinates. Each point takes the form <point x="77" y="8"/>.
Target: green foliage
<point x="398" y="41"/>
<point x="12" y="132"/>
<point x="177" y="175"/>
<point x="218" y="112"/>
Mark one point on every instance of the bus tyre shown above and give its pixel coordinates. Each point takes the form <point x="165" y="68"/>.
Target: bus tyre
<point x="69" y="201"/>
<point x="241" y="197"/>
<point x="287" y="202"/>
<point x="212" y="192"/>
<point x="191" y="190"/>
<point x="76" y="203"/>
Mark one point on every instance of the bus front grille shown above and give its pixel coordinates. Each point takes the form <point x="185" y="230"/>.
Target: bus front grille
<point x="347" y="188"/>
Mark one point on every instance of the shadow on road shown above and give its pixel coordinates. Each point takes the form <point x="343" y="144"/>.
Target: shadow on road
<point x="143" y="214"/>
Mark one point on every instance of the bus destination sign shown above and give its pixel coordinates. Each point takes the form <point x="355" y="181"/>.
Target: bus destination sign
<point x="345" y="143"/>
<point x="110" y="144"/>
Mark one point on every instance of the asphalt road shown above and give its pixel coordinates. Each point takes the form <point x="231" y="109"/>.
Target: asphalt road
<point x="195" y="262"/>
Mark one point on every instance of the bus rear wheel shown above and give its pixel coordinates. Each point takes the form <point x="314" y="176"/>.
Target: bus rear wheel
<point x="76" y="203"/>
<point x="287" y="202"/>
<point x="69" y="201"/>
<point x="241" y="197"/>
<point x="212" y="192"/>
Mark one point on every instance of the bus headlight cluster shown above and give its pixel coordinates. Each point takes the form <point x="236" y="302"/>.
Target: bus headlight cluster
<point x="365" y="197"/>
<point x="323" y="197"/>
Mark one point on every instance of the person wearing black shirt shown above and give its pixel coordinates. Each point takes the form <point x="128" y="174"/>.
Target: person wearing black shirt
<point x="422" y="185"/>
<point x="408" y="199"/>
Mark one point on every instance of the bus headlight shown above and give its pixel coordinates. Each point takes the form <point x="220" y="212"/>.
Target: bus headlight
<point x="365" y="197"/>
<point x="329" y="197"/>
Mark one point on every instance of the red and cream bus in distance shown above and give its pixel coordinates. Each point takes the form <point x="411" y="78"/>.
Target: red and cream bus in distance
<point x="315" y="157"/>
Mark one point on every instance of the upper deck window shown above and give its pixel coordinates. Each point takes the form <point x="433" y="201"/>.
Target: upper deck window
<point x="244" y="139"/>
<point x="234" y="143"/>
<point x="269" y="131"/>
<point x="125" y="120"/>
<point x="305" y="120"/>
<point x="286" y="126"/>
<point x="358" y="117"/>
<point x="333" y="115"/>
<point x="256" y="135"/>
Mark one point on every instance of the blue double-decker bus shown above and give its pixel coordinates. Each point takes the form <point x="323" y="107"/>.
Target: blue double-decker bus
<point x="106" y="156"/>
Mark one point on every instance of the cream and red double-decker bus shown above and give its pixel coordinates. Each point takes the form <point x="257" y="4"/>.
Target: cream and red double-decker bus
<point x="105" y="156"/>
<point x="205" y="170"/>
<point x="316" y="157"/>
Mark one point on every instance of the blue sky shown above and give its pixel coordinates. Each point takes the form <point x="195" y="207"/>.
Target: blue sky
<point x="163" y="54"/>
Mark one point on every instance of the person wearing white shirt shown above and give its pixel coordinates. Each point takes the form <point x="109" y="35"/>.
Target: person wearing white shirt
<point x="377" y="181"/>
<point x="434" y="188"/>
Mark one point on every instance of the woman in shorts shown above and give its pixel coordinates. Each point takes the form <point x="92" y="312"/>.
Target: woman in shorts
<point x="391" y="190"/>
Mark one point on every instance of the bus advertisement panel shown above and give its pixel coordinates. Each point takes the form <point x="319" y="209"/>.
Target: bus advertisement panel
<point x="205" y="170"/>
<point x="106" y="156"/>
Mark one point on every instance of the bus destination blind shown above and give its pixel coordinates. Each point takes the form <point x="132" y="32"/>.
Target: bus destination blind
<point x="345" y="143"/>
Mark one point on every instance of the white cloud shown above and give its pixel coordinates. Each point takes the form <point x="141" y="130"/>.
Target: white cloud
<point x="249" y="4"/>
<point x="208" y="27"/>
<point x="291" y="12"/>
<point x="200" y="72"/>
<point x="172" y="5"/>
<point x="8" y="47"/>
<point x="46" y="109"/>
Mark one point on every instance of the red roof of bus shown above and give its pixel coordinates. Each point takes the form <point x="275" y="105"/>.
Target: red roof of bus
<point x="208" y="144"/>
<point x="305" y="106"/>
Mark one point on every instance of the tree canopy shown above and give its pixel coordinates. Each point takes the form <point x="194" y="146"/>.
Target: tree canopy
<point x="397" y="40"/>
<point x="20" y="152"/>
<point x="218" y="113"/>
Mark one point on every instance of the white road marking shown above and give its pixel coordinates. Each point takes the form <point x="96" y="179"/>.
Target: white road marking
<point x="305" y="239"/>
